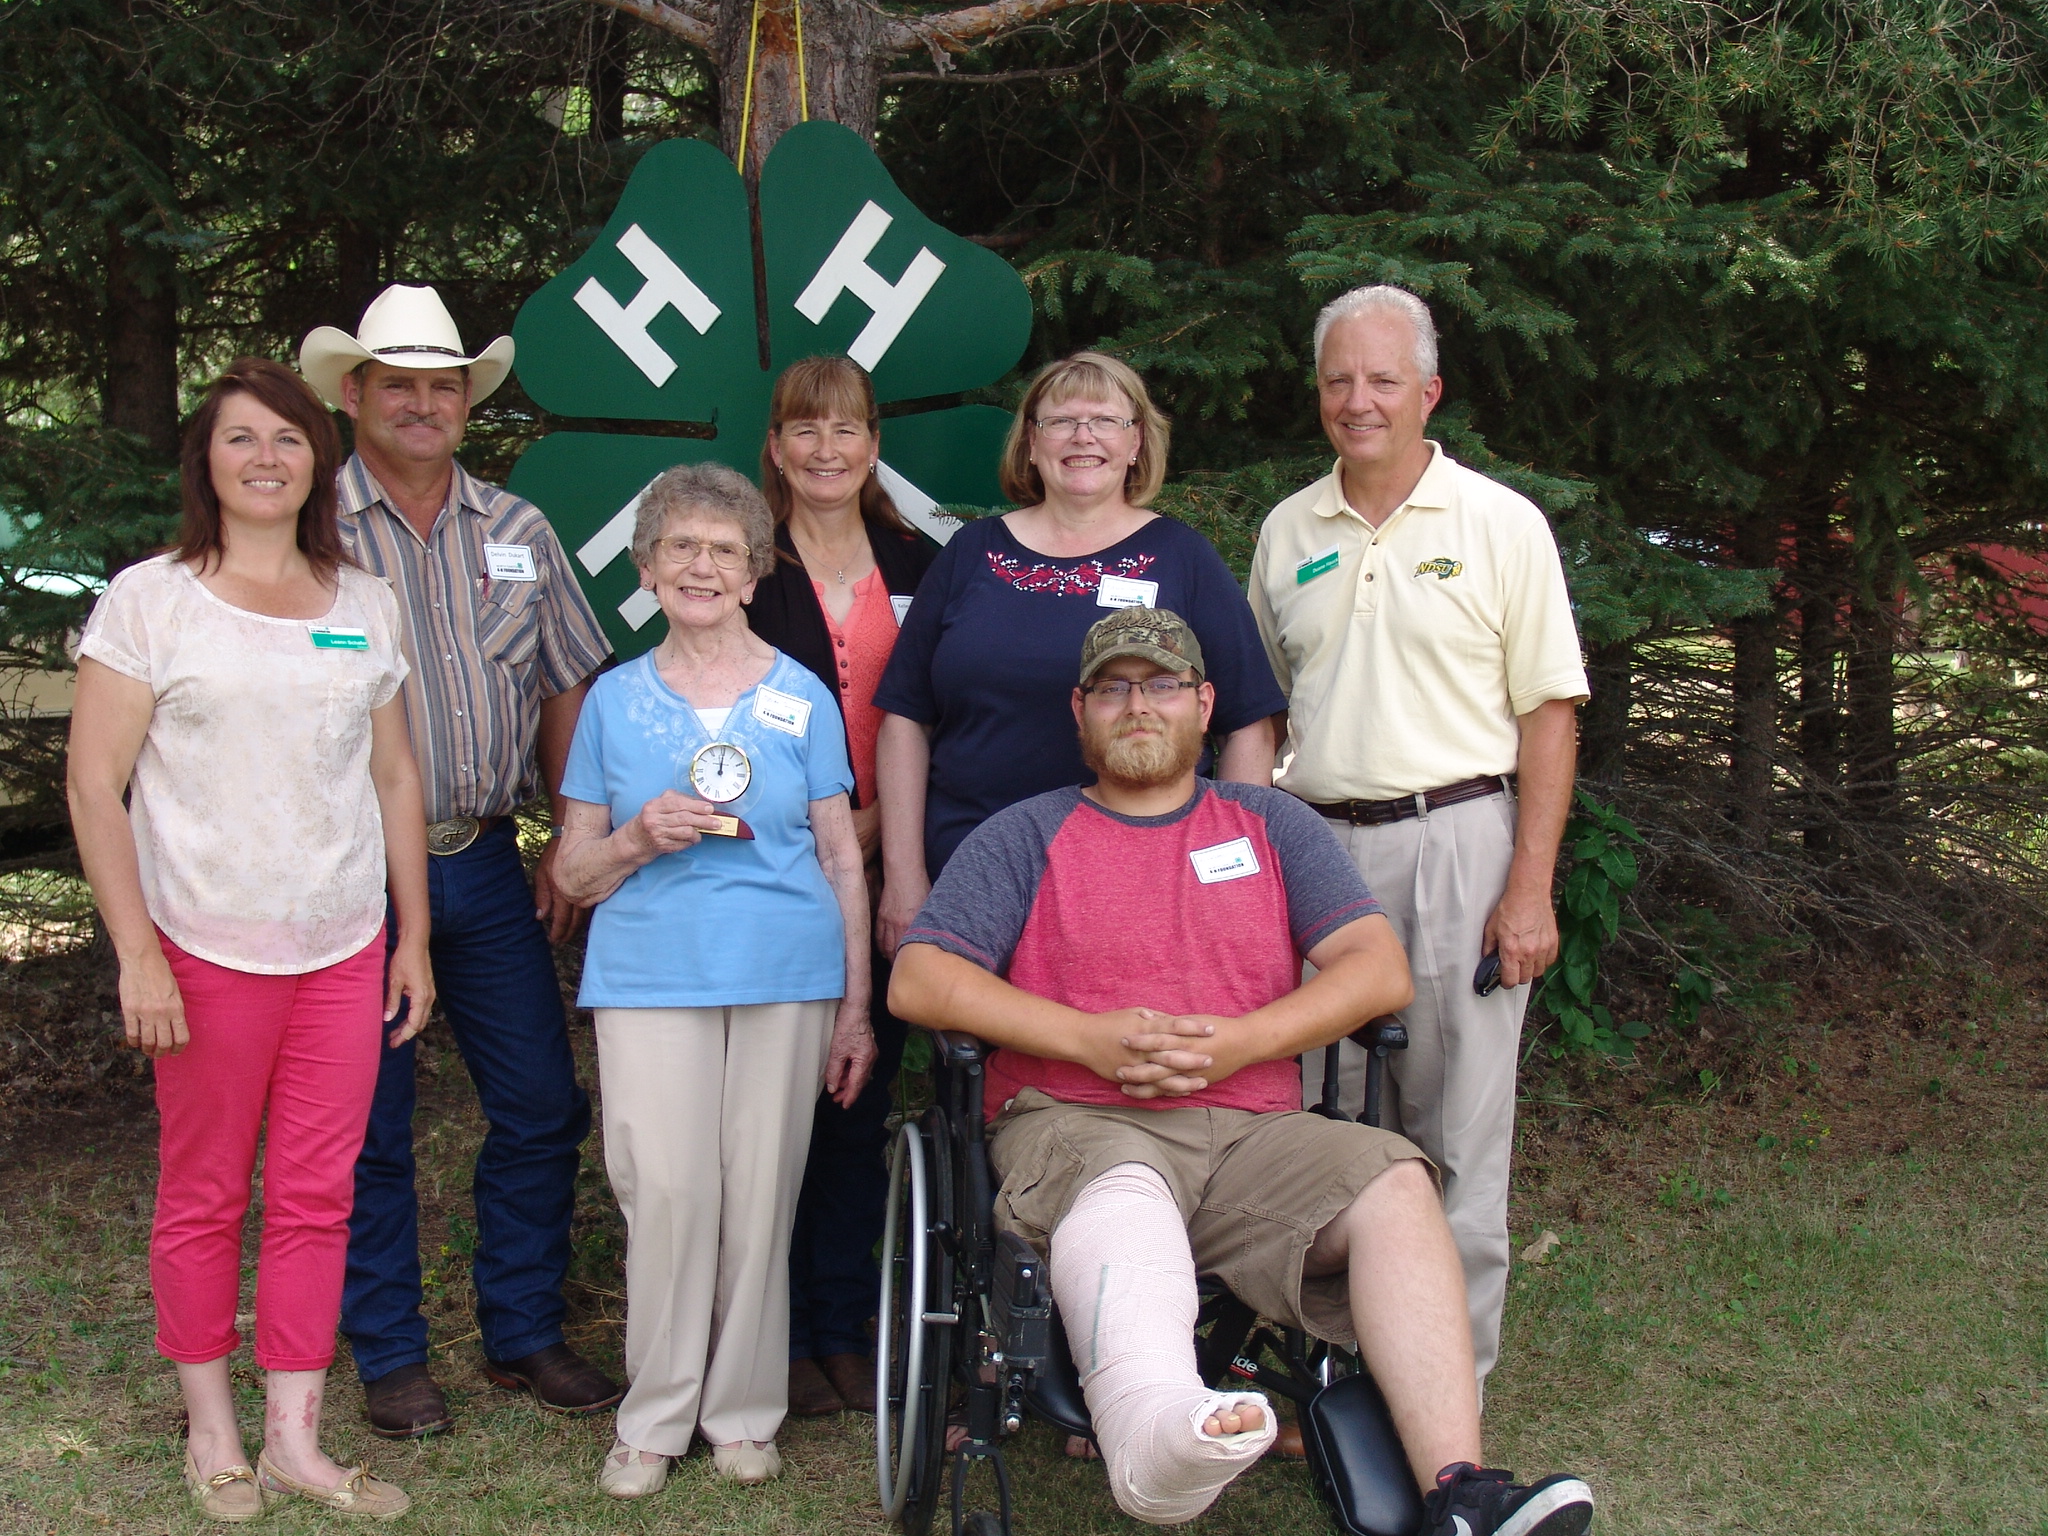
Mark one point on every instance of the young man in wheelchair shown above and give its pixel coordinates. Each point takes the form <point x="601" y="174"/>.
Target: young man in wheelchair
<point x="1134" y="950"/>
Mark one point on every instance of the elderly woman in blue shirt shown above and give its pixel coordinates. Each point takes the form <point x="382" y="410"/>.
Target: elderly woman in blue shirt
<point x="728" y="970"/>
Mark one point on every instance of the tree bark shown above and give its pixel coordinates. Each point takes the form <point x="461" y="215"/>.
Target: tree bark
<point x="1603" y="723"/>
<point x="1819" y="580"/>
<point x="1753" y="750"/>
<point x="837" y="77"/>
<point x="846" y="43"/>
<point x="140" y="394"/>
<point x="1872" y="777"/>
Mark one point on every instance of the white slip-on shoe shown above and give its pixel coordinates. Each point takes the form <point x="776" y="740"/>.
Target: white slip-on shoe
<point x="746" y="1462"/>
<point x="624" y="1474"/>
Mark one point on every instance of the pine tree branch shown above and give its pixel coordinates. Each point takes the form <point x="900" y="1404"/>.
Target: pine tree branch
<point x="957" y="31"/>
<point x="1000" y="77"/>
<point x="690" y="20"/>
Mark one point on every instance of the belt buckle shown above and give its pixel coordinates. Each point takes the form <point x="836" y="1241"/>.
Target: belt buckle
<point x="452" y="835"/>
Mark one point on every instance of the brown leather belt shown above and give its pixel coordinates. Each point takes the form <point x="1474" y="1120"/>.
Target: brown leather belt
<point x="457" y="833"/>
<point x="1379" y="813"/>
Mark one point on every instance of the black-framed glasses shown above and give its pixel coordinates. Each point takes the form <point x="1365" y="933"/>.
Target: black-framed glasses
<point x="1160" y="689"/>
<point x="725" y="554"/>
<point x="1059" y="428"/>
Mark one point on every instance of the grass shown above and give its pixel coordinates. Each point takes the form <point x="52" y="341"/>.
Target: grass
<point x="1803" y="1296"/>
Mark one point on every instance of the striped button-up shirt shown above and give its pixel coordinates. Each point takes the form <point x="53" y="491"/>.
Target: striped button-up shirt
<point x="484" y="651"/>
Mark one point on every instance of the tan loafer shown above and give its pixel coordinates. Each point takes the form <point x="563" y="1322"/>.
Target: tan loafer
<point x="744" y="1463"/>
<point x="230" y="1494"/>
<point x="624" y="1475"/>
<point x="359" y="1493"/>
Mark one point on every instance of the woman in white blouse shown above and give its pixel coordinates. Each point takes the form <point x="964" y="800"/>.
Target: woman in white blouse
<point x="242" y="688"/>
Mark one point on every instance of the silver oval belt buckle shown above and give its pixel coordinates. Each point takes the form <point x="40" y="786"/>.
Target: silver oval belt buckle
<point x="452" y="835"/>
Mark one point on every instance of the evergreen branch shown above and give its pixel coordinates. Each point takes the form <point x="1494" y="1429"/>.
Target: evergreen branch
<point x="1000" y="77"/>
<point x="690" y="20"/>
<point x="957" y="31"/>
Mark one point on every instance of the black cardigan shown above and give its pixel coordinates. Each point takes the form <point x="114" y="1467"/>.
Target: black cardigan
<point x="785" y="610"/>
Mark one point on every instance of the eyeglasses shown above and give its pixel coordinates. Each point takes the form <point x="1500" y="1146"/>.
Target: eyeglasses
<point x="726" y="556"/>
<point x="1117" y="689"/>
<point x="1060" y="428"/>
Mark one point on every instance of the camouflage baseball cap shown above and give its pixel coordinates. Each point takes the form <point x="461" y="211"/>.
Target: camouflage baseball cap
<point x="1159" y="636"/>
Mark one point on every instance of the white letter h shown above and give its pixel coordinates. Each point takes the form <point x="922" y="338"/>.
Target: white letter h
<point x="667" y="286"/>
<point x="847" y="268"/>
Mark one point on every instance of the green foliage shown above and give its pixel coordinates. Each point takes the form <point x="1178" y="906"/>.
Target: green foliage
<point x="1600" y="871"/>
<point x="78" y="502"/>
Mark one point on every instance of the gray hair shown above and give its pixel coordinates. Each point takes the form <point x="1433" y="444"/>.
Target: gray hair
<point x="714" y="491"/>
<point x="1379" y="297"/>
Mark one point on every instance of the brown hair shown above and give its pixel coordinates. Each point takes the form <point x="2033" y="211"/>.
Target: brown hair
<point x="1082" y="376"/>
<point x="276" y="386"/>
<point x="817" y="389"/>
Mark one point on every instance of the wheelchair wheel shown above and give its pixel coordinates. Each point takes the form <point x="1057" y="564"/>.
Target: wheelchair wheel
<point x="912" y="1349"/>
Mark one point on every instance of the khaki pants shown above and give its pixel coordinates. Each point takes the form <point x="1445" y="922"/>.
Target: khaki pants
<point x="1255" y="1190"/>
<point x="707" y="1119"/>
<point x="1452" y="1092"/>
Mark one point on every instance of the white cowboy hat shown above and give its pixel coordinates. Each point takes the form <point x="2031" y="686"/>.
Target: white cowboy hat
<point x="407" y="328"/>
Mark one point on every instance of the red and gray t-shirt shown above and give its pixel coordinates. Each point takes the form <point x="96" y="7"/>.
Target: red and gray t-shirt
<point x="1206" y="910"/>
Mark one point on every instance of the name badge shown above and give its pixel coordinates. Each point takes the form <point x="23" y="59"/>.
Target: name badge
<point x="781" y="711"/>
<point x="1233" y="860"/>
<point x="1126" y="592"/>
<point x="334" y="637"/>
<point x="902" y="607"/>
<point x="509" y="562"/>
<point x="1316" y="565"/>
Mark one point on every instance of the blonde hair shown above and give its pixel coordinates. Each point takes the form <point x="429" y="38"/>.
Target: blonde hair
<point x="818" y="389"/>
<point x="1086" y="375"/>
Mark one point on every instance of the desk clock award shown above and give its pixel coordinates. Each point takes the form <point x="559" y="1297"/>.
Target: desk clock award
<point x="721" y="773"/>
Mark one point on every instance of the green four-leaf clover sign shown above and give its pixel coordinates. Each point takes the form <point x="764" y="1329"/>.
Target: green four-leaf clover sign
<point x="657" y="323"/>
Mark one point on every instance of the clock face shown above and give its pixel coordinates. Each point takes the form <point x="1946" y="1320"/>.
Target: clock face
<point x="721" y="772"/>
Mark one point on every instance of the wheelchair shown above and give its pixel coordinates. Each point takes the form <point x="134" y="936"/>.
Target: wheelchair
<point x="967" y="1321"/>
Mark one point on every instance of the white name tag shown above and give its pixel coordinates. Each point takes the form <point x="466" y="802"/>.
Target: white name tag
<point x="783" y="711"/>
<point x="337" y="637"/>
<point x="1126" y="592"/>
<point x="1226" y="861"/>
<point x="509" y="562"/>
<point x="902" y="607"/>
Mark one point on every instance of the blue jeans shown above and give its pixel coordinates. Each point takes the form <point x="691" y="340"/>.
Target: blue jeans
<point x="833" y="1280"/>
<point x="495" y="974"/>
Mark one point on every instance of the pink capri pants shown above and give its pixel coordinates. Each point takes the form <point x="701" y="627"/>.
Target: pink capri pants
<point x="304" y="1048"/>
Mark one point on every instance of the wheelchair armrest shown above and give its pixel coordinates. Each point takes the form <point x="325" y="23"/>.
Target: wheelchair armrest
<point x="959" y="1049"/>
<point x="1387" y="1033"/>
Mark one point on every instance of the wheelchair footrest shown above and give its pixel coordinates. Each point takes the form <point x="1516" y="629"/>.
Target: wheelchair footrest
<point x="1358" y="1461"/>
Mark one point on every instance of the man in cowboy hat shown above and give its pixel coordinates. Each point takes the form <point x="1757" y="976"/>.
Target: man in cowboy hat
<point x="502" y="645"/>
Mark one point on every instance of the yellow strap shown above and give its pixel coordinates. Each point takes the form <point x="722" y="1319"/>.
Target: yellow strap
<point x="739" y="161"/>
<point x="803" y="84"/>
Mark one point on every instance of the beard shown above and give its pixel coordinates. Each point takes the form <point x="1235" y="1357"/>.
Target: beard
<point x="1118" y="757"/>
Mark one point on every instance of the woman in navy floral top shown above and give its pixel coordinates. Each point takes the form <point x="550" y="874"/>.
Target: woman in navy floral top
<point x="977" y="692"/>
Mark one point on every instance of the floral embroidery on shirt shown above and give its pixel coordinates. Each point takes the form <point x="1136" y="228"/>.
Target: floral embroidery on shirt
<point x="1063" y="580"/>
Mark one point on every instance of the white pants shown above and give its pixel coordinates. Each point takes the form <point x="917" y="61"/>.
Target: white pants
<point x="1452" y="1092"/>
<point x="707" y="1121"/>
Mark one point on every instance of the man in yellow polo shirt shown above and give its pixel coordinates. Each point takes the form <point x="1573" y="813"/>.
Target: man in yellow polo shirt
<point x="1416" y="616"/>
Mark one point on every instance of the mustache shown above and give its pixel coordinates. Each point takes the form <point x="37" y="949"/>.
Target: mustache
<point x="411" y="420"/>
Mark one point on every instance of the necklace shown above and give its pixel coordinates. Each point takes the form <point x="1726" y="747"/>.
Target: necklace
<point x="839" y="572"/>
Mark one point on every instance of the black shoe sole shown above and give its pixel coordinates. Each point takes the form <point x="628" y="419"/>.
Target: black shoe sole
<point x="416" y="1432"/>
<point x="512" y="1383"/>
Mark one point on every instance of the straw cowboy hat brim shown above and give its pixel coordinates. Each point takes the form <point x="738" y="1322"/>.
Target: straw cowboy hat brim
<point x="405" y="327"/>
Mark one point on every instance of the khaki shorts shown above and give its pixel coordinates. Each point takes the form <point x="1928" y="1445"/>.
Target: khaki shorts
<point x="1254" y="1189"/>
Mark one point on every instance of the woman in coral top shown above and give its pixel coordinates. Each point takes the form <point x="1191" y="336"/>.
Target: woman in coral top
<point x="848" y="567"/>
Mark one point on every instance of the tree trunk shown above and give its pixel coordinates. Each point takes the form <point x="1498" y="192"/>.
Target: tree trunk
<point x="839" y="78"/>
<point x="359" y="268"/>
<point x="1753" y="750"/>
<point x="1872" y="778"/>
<point x="1603" y="723"/>
<point x="1818" y="571"/>
<point x="140" y="394"/>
